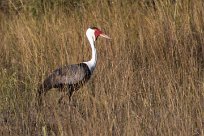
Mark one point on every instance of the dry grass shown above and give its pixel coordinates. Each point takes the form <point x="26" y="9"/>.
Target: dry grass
<point x="148" y="79"/>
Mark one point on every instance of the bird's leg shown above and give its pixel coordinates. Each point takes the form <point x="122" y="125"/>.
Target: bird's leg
<point x="70" y="93"/>
<point x="63" y="100"/>
<point x="62" y="97"/>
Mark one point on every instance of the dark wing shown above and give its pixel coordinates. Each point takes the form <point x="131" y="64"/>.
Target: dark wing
<point x="72" y="75"/>
<point x="67" y="75"/>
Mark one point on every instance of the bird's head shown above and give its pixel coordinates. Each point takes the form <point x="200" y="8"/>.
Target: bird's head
<point x="94" y="33"/>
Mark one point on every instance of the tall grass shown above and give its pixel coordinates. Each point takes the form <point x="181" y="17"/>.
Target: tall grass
<point x="148" y="79"/>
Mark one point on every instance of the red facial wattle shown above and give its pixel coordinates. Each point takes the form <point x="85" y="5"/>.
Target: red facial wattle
<point x="97" y="33"/>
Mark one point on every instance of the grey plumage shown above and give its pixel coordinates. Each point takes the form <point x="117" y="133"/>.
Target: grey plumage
<point x="71" y="77"/>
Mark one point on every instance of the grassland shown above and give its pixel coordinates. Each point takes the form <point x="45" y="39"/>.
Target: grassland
<point x="149" y="78"/>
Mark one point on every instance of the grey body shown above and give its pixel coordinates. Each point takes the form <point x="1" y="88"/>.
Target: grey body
<point x="70" y="77"/>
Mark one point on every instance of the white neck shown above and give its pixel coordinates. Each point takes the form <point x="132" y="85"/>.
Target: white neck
<point x="92" y="63"/>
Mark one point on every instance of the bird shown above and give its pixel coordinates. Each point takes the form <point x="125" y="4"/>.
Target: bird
<point x="72" y="77"/>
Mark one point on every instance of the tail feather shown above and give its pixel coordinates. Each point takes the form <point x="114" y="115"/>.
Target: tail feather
<point x="39" y="95"/>
<point x="41" y="91"/>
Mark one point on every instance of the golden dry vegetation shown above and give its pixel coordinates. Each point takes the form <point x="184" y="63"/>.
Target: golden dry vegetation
<point x="148" y="79"/>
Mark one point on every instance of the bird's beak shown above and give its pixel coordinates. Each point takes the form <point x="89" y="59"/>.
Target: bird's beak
<point x="105" y="36"/>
